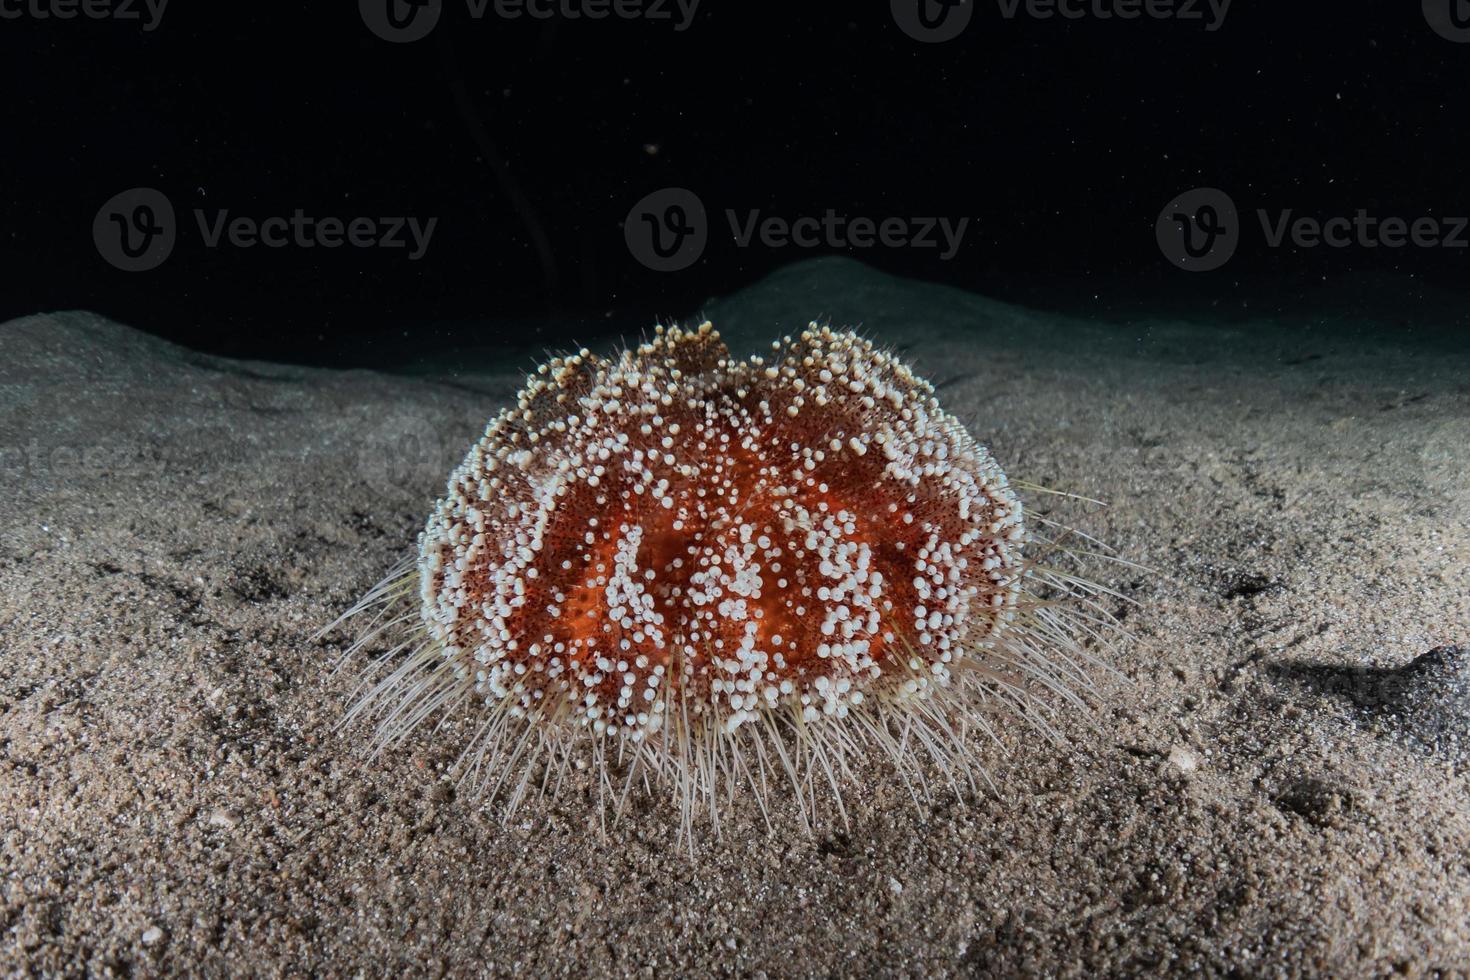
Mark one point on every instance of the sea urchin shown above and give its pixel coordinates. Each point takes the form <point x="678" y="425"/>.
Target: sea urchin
<point x="700" y="573"/>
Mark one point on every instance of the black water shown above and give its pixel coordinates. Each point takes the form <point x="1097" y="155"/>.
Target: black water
<point x="528" y="143"/>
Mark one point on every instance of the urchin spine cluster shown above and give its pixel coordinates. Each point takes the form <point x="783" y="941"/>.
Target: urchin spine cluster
<point x="715" y="571"/>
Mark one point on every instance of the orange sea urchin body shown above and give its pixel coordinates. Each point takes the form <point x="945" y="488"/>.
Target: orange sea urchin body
<point x="675" y="550"/>
<point x="678" y="530"/>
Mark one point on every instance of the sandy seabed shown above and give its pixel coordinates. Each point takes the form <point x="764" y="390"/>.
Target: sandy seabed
<point x="1277" y="784"/>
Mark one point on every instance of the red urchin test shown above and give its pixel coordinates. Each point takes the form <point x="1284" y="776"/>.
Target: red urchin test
<point x="723" y="567"/>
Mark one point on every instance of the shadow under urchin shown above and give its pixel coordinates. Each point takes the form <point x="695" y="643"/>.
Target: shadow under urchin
<point x="703" y="576"/>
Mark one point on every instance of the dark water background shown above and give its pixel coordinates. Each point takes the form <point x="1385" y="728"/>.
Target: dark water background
<point x="530" y="141"/>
